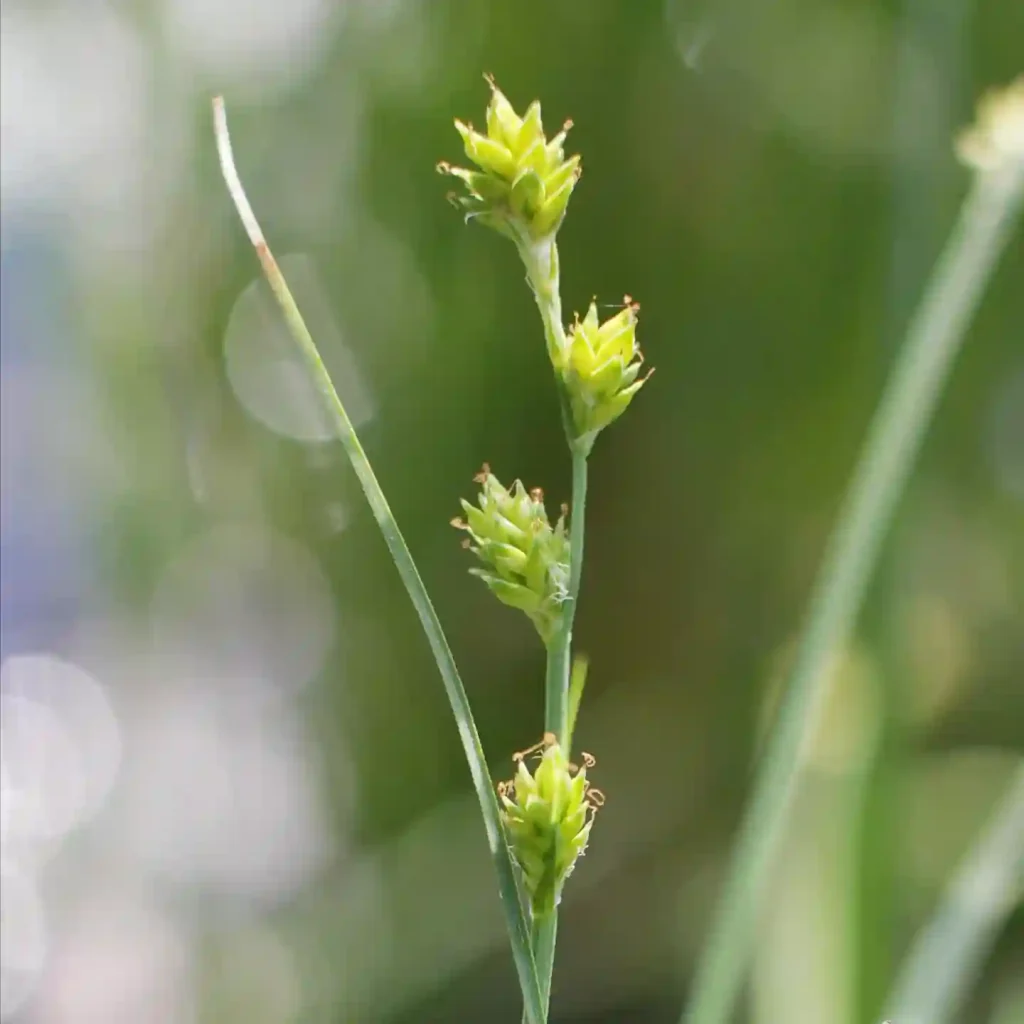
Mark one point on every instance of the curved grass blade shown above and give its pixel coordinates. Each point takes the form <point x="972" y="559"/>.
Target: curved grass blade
<point x="519" y="933"/>
<point x="946" y="956"/>
<point x="986" y="221"/>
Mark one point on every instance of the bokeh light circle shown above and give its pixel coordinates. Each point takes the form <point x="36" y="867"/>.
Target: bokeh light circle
<point x="61" y="745"/>
<point x="243" y="602"/>
<point x="23" y="939"/>
<point x="222" y="800"/>
<point x="265" y="370"/>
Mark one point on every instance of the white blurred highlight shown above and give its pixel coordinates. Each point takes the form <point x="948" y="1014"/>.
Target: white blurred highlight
<point x="22" y="939"/>
<point x="266" y="371"/>
<point x="256" y="45"/>
<point x="243" y="603"/>
<point x="71" y="102"/>
<point x="118" y="961"/>
<point x="220" y="798"/>
<point x="42" y="786"/>
<point x="60" y="749"/>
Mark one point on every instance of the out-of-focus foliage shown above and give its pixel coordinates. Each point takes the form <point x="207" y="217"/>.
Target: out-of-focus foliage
<point x="232" y="790"/>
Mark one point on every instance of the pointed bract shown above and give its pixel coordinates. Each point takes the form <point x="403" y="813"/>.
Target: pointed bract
<point x="527" y="195"/>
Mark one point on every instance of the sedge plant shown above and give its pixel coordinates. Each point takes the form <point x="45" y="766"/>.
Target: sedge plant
<point x="538" y="823"/>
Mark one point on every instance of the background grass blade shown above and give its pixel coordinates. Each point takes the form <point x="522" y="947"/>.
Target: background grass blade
<point x="944" y="959"/>
<point x="894" y="438"/>
<point x="519" y="933"/>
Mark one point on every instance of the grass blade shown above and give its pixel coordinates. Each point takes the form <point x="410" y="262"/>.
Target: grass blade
<point x="945" y="958"/>
<point x="519" y="933"/>
<point x="894" y="438"/>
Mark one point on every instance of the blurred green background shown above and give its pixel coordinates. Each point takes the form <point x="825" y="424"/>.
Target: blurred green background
<point x="233" y="791"/>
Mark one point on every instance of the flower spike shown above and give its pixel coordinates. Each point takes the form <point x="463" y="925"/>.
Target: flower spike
<point x="523" y="182"/>
<point x="525" y="559"/>
<point x="600" y="367"/>
<point x="548" y="814"/>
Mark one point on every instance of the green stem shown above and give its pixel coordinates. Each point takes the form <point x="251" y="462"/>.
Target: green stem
<point x="562" y="651"/>
<point x="894" y="438"/>
<point x="541" y="263"/>
<point x="556" y="703"/>
<point x="544" y="928"/>
<point x="519" y="934"/>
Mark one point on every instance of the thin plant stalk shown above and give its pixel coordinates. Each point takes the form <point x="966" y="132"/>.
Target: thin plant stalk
<point x="519" y="932"/>
<point x="556" y="693"/>
<point x="541" y="263"/>
<point x="544" y="929"/>
<point x="893" y="440"/>
<point x="943" y="961"/>
<point x="560" y="655"/>
<point x="545" y="936"/>
<point x="559" y="717"/>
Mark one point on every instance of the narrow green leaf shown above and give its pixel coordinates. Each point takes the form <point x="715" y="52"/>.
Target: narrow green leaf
<point x="945" y="958"/>
<point x="577" y="680"/>
<point x="933" y="339"/>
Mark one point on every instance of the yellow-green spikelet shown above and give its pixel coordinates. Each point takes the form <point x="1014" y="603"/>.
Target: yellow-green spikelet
<point x="525" y="559"/>
<point x="522" y="182"/>
<point x="600" y="367"/>
<point x="548" y="815"/>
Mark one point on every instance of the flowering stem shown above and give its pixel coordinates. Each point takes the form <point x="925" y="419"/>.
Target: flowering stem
<point x="893" y="440"/>
<point x="556" y="695"/>
<point x="556" y="703"/>
<point x="541" y="262"/>
<point x="519" y="933"/>
<point x="563" y="644"/>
